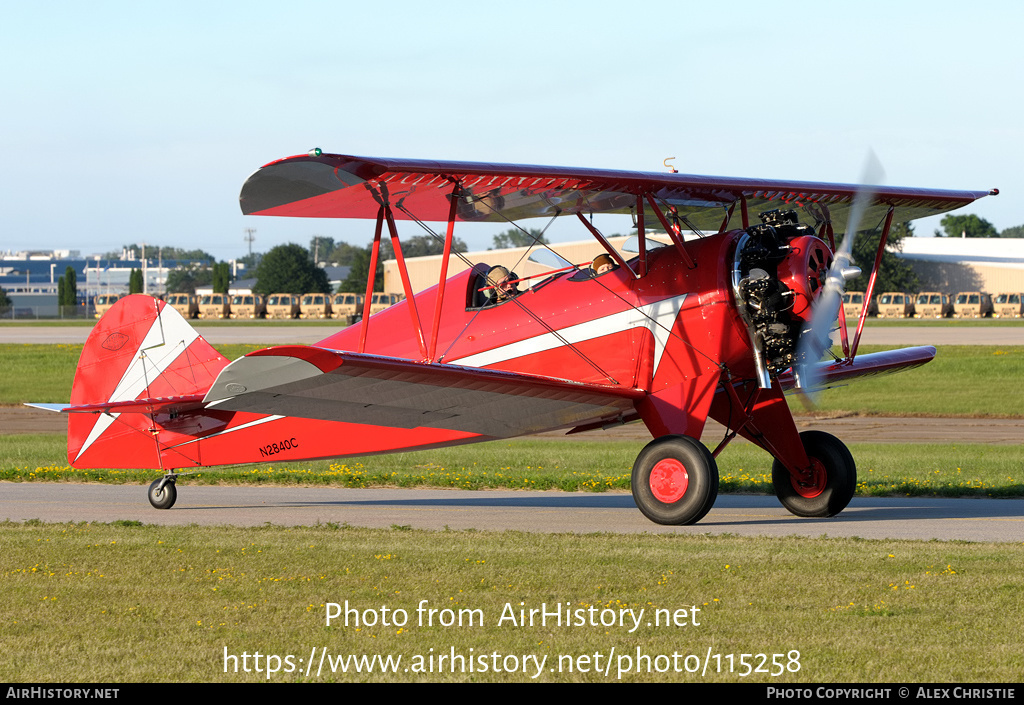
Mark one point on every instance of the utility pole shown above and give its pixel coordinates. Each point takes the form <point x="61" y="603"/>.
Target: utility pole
<point x="144" y="287"/>
<point x="250" y="235"/>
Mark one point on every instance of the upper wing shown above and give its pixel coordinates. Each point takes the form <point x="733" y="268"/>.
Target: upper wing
<point x="339" y="186"/>
<point x="317" y="383"/>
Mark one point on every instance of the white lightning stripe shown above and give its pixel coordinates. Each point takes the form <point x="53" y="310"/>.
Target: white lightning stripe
<point x="166" y="339"/>
<point x="257" y="422"/>
<point x="656" y="317"/>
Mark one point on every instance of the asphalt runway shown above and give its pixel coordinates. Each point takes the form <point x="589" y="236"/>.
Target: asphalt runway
<point x="546" y="512"/>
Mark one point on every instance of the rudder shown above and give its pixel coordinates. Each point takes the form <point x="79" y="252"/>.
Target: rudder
<point x="141" y="360"/>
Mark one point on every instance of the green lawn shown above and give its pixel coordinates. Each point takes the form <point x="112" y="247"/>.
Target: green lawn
<point x="944" y="470"/>
<point x="961" y="381"/>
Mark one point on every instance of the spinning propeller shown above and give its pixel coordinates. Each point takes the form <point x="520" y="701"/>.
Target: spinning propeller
<point x="817" y="338"/>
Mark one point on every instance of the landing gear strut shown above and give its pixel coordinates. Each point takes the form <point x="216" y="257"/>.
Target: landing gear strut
<point x="163" y="493"/>
<point x="675" y="480"/>
<point x="830" y="485"/>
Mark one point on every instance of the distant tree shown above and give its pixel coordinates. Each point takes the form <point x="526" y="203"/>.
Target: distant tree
<point x="359" y="272"/>
<point x="418" y="246"/>
<point x="67" y="292"/>
<point x="969" y="225"/>
<point x="221" y="278"/>
<point x="5" y="302"/>
<point x="517" y="238"/>
<point x="288" y="269"/>
<point x="69" y="297"/>
<point x="184" y="279"/>
<point x="1015" y="231"/>
<point x="180" y="254"/>
<point x="343" y="254"/>
<point x="320" y="248"/>
<point x="894" y="274"/>
<point x="135" y="283"/>
<point x="71" y="283"/>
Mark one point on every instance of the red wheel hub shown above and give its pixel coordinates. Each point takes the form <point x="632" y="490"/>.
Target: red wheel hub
<point x="669" y="480"/>
<point x="813" y="484"/>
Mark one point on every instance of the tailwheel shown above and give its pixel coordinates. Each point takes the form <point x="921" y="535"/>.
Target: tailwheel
<point x="830" y="485"/>
<point x="163" y="493"/>
<point x="675" y="480"/>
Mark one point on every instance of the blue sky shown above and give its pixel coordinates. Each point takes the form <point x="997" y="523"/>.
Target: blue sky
<point x="138" y="122"/>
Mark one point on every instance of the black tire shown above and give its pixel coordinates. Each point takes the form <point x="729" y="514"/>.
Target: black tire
<point x="675" y="480"/>
<point x="833" y="482"/>
<point x="163" y="498"/>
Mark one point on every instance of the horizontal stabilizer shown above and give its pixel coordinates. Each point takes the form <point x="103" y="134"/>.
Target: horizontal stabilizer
<point x="189" y="402"/>
<point x="50" y="407"/>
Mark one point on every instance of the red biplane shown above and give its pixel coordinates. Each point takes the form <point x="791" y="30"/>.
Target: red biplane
<point x="713" y="325"/>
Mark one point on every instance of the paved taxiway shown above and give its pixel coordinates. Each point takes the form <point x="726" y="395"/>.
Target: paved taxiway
<point x="575" y="512"/>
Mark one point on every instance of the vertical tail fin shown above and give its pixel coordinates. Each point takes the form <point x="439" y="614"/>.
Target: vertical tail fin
<point x="140" y="361"/>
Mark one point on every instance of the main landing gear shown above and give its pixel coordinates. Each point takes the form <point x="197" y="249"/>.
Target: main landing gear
<point x="827" y="488"/>
<point x="163" y="493"/>
<point x="675" y="480"/>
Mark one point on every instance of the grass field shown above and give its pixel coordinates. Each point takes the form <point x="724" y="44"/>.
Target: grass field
<point x="962" y="380"/>
<point x="937" y="470"/>
<point x="123" y="602"/>
<point x="970" y="380"/>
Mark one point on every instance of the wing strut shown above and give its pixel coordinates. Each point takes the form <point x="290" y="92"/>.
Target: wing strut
<point x="871" y="281"/>
<point x="672" y="233"/>
<point x="727" y="218"/>
<point x="641" y="234"/>
<point x="826" y="229"/>
<point x="448" y="235"/>
<point x="404" y="271"/>
<point x="384" y="214"/>
<point x="371" y="280"/>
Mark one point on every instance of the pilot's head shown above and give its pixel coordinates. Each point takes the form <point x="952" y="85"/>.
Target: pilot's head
<point x="503" y="282"/>
<point x="602" y="263"/>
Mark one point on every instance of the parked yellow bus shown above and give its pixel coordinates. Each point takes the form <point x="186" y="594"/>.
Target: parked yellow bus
<point x="103" y="302"/>
<point x="215" y="306"/>
<point x="315" y="306"/>
<point x="185" y="304"/>
<point x="347" y="306"/>
<point x="1008" y="305"/>
<point x="283" y="306"/>
<point x="248" y="306"/>
<point x="895" y="304"/>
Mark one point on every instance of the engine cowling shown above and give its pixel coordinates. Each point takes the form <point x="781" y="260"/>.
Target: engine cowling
<point x="803" y="272"/>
